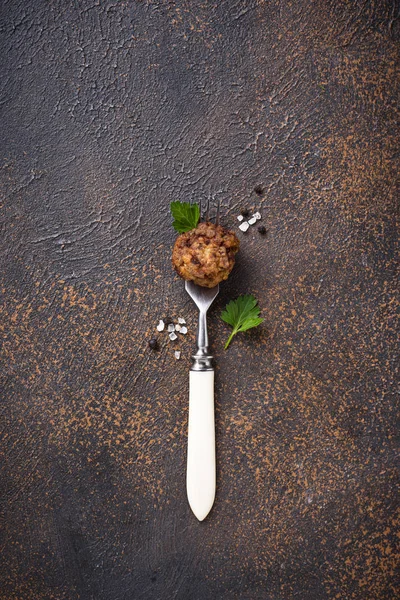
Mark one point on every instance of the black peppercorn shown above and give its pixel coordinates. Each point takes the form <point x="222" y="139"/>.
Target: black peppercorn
<point x="259" y="190"/>
<point x="262" y="229"/>
<point x="153" y="344"/>
<point x="167" y="321"/>
<point x="245" y="212"/>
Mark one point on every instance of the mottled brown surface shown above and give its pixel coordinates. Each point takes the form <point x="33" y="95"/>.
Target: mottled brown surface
<point x="206" y="254"/>
<point x="110" y="110"/>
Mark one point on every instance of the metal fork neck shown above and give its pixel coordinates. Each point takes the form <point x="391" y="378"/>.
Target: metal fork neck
<point x="202" y="335"/>
<point x="202" y="360"/>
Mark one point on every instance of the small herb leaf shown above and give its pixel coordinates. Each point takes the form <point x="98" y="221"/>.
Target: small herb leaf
<point x="186" y="216"/>
<point x="242" y="314"/>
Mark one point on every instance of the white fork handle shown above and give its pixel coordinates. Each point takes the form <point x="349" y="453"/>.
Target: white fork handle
<point x="200" y="474"/>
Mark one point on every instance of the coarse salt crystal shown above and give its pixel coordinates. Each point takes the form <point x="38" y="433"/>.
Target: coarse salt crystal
<point x="171" y="327"/>
<point x="244" y="226"/>
<point x="177" y="354"/>
<point x="181" y="320"/>
<point x="177" y="327"/>
<point x="183" y="330"/>
<point x="161" y="325"/>
<point x="252" y="221"/>
<point x="257" y="216"/>
<point x="240" y="218"/>
<point x="172" y="336"/>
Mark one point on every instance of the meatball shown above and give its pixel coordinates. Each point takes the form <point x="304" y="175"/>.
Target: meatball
<point x="205" y="255"/>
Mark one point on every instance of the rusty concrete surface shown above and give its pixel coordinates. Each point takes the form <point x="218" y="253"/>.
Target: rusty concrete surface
<point x="110" y="110"/>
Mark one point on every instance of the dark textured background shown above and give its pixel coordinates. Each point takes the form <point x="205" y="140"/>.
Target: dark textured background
<point x="110" y="110"/>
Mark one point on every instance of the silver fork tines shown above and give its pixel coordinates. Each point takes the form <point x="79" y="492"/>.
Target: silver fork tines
<point x="208" y="210"/>
<point x="218" y="209"/>
<point x="205" y="210"/>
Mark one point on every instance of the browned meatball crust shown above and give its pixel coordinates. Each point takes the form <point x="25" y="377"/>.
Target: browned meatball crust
<point x="205" y="255"/>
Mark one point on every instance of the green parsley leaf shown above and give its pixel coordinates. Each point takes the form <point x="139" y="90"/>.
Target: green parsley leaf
<point x="186" y="216"/>
<point x="242" y="314"/>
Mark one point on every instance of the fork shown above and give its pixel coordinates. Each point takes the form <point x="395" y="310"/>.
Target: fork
<point x="200" y="471"/>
